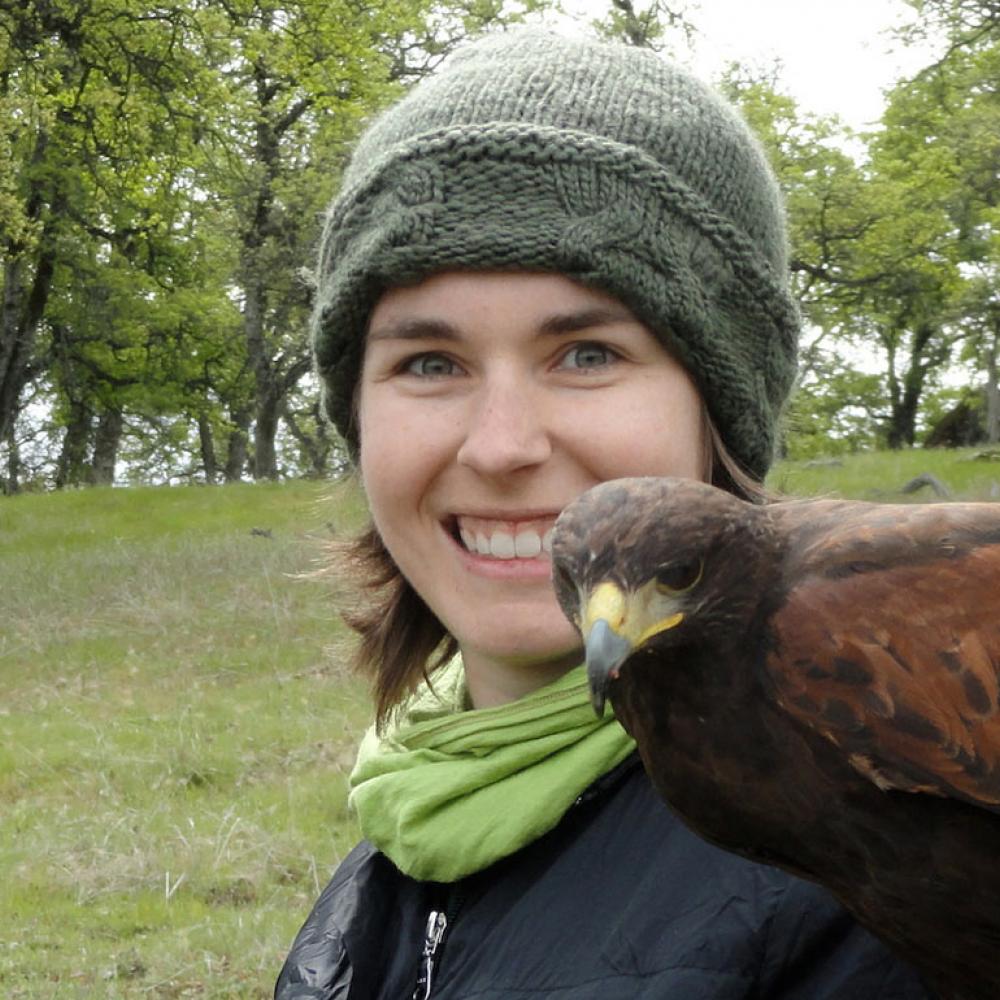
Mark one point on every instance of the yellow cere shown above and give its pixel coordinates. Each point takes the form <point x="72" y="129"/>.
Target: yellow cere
<point x="608" y="602"/>
<point x="636" y="616"/>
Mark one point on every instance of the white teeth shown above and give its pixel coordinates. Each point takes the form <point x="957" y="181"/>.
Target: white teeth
<point x="527" y="545"/>
<point x="502" y="545"/>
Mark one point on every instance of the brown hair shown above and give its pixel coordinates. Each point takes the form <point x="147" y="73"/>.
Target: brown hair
<point x="401" y="640"/>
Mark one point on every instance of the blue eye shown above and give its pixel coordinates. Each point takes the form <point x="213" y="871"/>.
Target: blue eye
<point x="429" y="365"/>
<point x="587" y="355"/>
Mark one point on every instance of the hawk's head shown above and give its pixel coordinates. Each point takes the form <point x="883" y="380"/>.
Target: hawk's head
<point x="656" y="563"/>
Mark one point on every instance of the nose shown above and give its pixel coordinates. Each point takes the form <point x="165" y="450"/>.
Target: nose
<point x="506" y="429"/>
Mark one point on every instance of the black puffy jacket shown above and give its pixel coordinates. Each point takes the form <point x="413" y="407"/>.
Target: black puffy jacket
<point x="619" y="901"/>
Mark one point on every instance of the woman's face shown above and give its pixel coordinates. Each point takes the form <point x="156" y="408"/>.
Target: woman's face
<point x="487" y="402"/>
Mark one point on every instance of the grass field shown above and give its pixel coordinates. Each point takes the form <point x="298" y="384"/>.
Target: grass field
<point x="175" y="728"/>
<point x="969" y="474"/>
<point x="174" y="737"/>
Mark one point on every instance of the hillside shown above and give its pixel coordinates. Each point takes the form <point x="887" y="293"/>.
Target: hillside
<point x="175" y="728"/>
<point x="174" y="737"/>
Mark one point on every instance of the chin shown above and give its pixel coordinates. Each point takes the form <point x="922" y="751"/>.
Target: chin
<point x="564" y="650"/>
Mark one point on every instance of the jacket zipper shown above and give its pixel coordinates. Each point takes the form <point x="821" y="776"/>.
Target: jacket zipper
<point x="437" y="924"/>
<point x="438" y="921"/>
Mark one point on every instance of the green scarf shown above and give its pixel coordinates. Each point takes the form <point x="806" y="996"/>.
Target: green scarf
<point x="448" y="791"/>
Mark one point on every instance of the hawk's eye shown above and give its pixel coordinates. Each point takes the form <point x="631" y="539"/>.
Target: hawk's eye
<point x="678" y="577"/>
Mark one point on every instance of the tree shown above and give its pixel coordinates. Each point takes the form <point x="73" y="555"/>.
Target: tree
<point x="162" y="170"/>
<point x="297" y="77"/>
<point x="835" y="407"/>
<point x="945" y="126"/>
<point x="965" y="23"/>
<point x="875" y="254"/>
<point x="301" y="74"/>
<point x="100" y="130"/>
<point x="646" y="27"/>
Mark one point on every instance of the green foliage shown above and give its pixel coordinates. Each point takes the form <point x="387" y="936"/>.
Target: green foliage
<point x="824" y="189"/>
<point x="163" y="167"/>
<point x="882" y="248"/>
<point x="964" y="22"/>
<point x="106" y="115"/>
<point x="936" y="161"/>
<point x="648" y="26"/>
<point x="835" y="410"/>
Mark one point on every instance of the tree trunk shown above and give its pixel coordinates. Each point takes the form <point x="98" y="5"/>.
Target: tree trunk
<point x="207" y="442"/>
<point x="21" y="315"/>
<point x="25" y="296"/>
<point x="267" y="159"/>
<point x="236" y="446"/>
<point x="265" y="458"/>
<point x="896" y="435"/>
<point x="992" y="389"/>
<point x="265" y="424"/>
<point x="72" y="468"/>
<point x="905" y="397"/>
<point x="268" y="394"/>
<point x="893" y="430"/>
<point x="902" y="424"/>
<point x="12" y="483"/>
<point x="14" y="349"/>
<point x="106" y="441"/>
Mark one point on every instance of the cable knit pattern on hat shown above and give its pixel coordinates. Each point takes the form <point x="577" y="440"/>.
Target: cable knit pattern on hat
<point x="602" y="162"/>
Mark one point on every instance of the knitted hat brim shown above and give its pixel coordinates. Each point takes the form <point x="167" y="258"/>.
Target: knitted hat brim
<point x="524" y="197"/>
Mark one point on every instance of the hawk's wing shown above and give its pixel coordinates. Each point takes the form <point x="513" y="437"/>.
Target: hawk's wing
<point x="888" y="642"/>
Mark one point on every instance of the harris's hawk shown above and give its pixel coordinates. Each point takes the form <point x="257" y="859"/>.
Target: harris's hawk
<point x="812" y="684"/>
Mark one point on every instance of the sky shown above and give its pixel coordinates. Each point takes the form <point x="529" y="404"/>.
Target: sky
<point x="837" y="57"/>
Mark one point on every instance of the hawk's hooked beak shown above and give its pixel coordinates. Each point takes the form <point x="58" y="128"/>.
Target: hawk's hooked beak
<point x="613" y="628"/>
<point x="605" y="645"/>
<point x="606" y="651"/>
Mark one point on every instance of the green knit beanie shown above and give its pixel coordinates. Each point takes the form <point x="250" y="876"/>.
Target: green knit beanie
<point x="604" y="163"/>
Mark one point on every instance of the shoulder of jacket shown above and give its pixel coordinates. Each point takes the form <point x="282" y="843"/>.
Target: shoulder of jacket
<point x="317" y="963"/>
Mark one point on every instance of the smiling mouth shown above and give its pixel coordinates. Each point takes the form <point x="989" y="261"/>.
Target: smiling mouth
<point x="496" y="539"/>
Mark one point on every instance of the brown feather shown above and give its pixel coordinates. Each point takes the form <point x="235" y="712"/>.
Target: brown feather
<point x="906" y="654"/>
<point x="827" y="700"/>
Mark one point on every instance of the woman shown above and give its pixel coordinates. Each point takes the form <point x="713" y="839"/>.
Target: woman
<point x="553" y="264"/>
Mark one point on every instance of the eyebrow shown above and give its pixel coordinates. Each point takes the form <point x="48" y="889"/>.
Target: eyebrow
<point x="417" y="328"/>
<point x="585" y="319"/>
<point x="409" y="328"/>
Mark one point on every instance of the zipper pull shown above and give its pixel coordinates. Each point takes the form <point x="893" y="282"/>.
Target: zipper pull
<point x="437" y="922"/>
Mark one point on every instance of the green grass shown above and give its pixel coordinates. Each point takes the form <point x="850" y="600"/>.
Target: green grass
<point x="175" y="730"/>
<point x="175" y="735"/>
<point x="967" y="474"/>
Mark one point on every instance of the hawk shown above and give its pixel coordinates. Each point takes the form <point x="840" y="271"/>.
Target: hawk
<point x="812" y="684"/>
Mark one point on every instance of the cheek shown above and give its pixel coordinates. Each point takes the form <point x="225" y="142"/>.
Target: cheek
<point x="403" y="446"/>
<point x="680" y="442"/>
<point x="655" y="429"/>
<point x="381" y="459"/>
